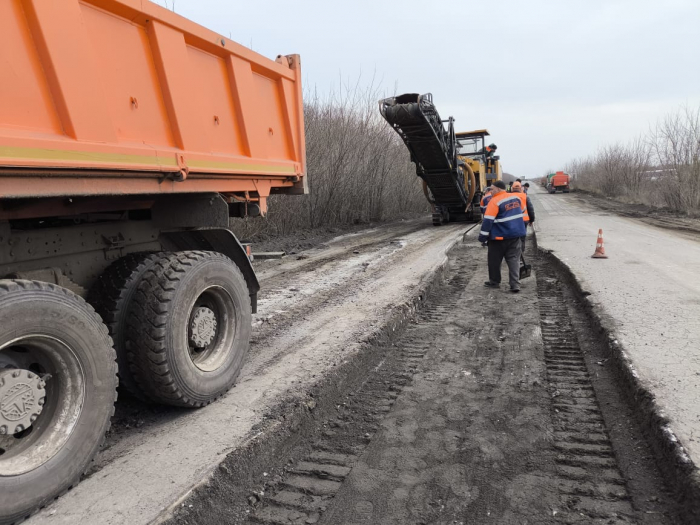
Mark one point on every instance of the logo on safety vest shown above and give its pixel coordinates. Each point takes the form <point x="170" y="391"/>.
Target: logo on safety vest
<point x="512" y="206"/>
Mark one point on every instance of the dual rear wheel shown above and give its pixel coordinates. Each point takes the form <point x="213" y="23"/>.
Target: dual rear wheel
<point x="180" y="324"/>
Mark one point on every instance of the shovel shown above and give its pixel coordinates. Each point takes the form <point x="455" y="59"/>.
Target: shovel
<point x="525" y="269"/>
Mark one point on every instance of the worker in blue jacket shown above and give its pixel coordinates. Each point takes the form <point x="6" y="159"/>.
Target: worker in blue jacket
<point x="485" y="199"/>
<point x="502" y="227"/>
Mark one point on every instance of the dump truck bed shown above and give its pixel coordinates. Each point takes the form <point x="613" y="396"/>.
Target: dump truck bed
<point x="123" y="97"/>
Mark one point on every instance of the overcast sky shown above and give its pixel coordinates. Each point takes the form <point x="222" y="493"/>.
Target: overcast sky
<point x="551" y="80"/>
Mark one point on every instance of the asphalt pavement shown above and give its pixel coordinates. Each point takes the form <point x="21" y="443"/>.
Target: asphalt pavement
<point x="649" y="288"/>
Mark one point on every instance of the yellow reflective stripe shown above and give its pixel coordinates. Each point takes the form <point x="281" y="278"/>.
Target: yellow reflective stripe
<point x="122" y="158"/>
<point x="214" y="164"/>
<point x="83" y="156"/>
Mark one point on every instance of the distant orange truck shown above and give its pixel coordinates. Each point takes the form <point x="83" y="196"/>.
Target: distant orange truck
<point x="558" y="181"/>
<point x="128" y="138"/>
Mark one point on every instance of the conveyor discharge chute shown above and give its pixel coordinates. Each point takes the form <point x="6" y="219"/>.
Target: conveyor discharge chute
<point x="433" y="148"/>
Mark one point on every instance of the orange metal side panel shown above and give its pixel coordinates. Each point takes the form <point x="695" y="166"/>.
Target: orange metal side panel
<point x="271" y="116"/>
<point x="217" y="117"/>
<point x="67" y="59"/>
<point x="129" y="78"/>
<point x="178" y="87"/>
<point x="245" y="99"/>
<point x="130" y="88"/>
<point x="25" y="98"/>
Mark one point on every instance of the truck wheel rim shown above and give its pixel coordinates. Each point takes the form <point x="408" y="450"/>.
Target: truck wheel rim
<point x="211" y="328"/>
<point x="32" y="366"/>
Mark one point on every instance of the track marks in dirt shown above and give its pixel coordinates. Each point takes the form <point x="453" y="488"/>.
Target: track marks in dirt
<point x="587" y="473"/>
<point x="483" y="410"/>
<point x="308" y="486"/>
<point x="468" y="440"/>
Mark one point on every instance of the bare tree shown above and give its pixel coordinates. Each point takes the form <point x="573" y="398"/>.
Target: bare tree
<point x="358" y="168"/>
<point x="661" y="168"/>
<point x="676" y="145"/>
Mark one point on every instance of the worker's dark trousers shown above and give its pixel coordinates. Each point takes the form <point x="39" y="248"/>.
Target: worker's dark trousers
<point x="510" y="249"/>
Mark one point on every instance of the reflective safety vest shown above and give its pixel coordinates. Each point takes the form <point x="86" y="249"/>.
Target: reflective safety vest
<point x="505" y="217"/>
<point x="485" y="202"/>
<point x="523" y="199"/>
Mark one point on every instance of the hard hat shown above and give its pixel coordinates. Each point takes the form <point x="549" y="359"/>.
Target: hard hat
<point x="493" y="146"/>
<point x="516" y="185"/>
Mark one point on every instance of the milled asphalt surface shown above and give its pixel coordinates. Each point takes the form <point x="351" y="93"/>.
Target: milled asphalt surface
<point x="650" y="289"/>
<point x="315" y="311"/>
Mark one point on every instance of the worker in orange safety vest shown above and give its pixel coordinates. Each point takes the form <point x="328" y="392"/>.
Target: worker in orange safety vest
<point x="530" y="210"/>
<point x="501" y="229"/>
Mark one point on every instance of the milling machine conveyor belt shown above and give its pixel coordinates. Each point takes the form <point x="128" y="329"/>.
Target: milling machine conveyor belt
<point x="433" y="148"/>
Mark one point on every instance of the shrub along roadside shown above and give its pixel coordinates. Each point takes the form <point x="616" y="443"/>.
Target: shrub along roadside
<point x="359" y="171"/>
<point x="660" y="168"/>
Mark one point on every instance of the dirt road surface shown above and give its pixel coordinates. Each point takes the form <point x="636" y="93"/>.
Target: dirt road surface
<point x="477" y="437"/>
<point x="315" y="311"/>
<point x="489" y="408"/>
<point x="649" y="291"/>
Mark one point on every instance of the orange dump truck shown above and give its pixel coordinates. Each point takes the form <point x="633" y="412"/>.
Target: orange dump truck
<point x="129" y="136"/>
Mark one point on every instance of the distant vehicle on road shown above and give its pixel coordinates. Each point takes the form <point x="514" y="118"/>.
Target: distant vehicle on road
<point x="557" y="181"/>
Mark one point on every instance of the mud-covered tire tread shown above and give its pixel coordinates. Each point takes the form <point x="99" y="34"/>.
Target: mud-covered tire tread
<point x="11" y="286"/>
<point x="146" y="348"/>
<point x="111" y="296"/>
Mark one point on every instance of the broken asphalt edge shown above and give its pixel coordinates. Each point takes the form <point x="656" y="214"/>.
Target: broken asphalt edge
<point x="681" y="474"/>
<point x="270" y="435"/>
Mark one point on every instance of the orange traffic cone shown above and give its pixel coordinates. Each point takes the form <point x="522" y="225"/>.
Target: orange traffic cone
<point x="599" y="247"/>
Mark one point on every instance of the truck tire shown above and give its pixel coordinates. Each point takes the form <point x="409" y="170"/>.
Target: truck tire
<point x="189" y="328"/>
<point x="111" y="297"/>
<point x="58" y="386"/>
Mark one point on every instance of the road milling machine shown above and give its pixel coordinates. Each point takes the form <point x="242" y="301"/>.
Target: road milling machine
<point x="453" y="179"/>
<point x="474" y="153"/>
